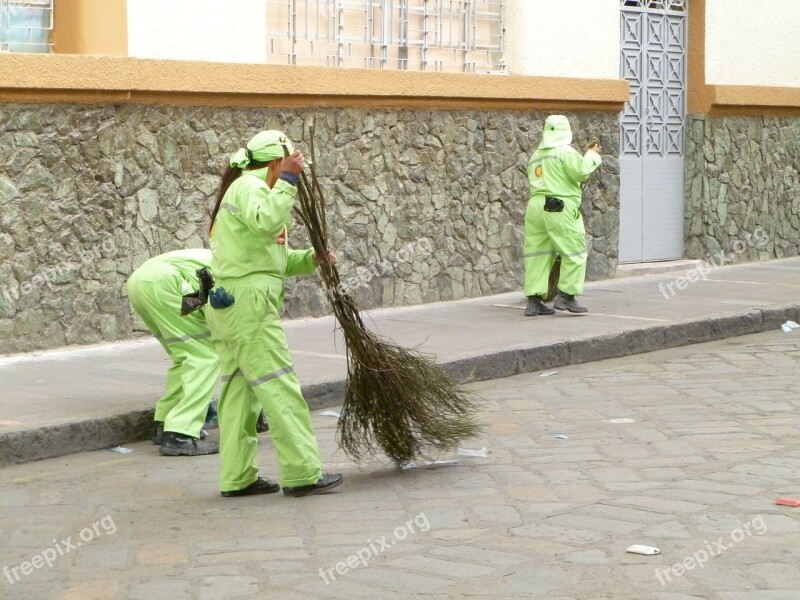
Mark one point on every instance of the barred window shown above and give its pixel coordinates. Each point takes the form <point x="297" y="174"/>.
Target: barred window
<point x="421" y="35"/>
<point x="25" y="25"/>
<point x="674" y="5"/>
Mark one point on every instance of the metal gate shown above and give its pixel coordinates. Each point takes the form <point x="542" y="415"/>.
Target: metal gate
<point x="652" y="130"/>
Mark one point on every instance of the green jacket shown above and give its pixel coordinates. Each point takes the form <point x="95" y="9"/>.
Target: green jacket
<point x="559" y="171"/>
<point x="250" y="233"/>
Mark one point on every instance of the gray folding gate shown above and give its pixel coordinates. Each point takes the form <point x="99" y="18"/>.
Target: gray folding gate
<point x="652" y="130"/>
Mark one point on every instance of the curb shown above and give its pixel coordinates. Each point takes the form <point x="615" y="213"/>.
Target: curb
<point x="97" y="434"/>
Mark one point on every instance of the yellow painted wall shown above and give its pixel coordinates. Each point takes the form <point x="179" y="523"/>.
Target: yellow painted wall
<point x="90" y="27"/>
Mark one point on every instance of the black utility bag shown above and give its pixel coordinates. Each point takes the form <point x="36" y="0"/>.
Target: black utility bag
<point x="553" y="204"/>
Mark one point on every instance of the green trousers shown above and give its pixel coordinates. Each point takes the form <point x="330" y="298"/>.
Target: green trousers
<point x="155" y="294"/>
<point x="257" y="373"/>
<point x="548" y="234"/>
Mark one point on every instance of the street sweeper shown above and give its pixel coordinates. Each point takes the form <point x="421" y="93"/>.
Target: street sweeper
<point x="251" y="259"/>
<point x="553" y="221"/>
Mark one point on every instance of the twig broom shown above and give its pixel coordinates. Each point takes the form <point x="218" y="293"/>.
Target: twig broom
<point x="397" y="399"/>
<point x="552" y="282"/>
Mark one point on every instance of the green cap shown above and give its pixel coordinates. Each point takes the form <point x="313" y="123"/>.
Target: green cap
<point x="264" y="147"/>
<point x="557" y="132"/>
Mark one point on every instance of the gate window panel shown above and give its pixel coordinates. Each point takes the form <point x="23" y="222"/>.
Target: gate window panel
<point x="675" y="89"/>
<point x="630" y="164"/>
<point x="425" y="35"/>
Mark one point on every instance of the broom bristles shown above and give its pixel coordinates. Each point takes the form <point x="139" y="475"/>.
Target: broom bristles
<point x="400" y="401"/>
<point x="397" y="399"/>
<point x="552" y="283"/>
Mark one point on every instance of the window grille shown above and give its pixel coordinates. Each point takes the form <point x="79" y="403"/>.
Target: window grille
<point x="25" y="25"/>
<point x="667" y="5"/>
<point x="424" y="35"/>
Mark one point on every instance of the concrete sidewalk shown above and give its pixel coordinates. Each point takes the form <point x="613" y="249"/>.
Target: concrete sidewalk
<point x="85" y="398"/>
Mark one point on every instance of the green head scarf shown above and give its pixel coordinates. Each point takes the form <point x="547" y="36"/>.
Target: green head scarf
<point x="557" y="132"/>
<point x="264" y="147"/>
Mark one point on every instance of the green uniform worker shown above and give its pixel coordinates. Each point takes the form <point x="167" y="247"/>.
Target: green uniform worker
<point x="553" y="221"/>
<point x="155" y="290"/>
<point x="251" y="259"/>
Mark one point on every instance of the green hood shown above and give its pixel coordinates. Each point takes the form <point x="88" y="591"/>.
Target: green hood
<point x="557" y="132"/>
<point x="264" y="147"/>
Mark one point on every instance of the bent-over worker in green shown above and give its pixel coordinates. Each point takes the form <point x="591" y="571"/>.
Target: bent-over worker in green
<point x="155" y="290"/>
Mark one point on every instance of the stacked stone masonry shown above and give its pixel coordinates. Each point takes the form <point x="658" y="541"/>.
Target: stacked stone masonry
<point x="742" y="177"/>
<point x="424" y="205"/>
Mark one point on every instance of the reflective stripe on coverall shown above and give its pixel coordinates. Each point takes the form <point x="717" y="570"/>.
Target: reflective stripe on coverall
<point x="556" y="169"/>
<point x="251" y="260"/>
<point x="155" y="290"/>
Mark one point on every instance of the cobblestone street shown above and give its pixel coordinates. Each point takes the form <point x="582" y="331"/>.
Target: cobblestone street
<point x="685" y="450"/>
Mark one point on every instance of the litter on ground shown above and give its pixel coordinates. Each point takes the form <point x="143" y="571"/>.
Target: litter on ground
<point x="430" y="464"/>
<point x="646" y="550"/>
<point x="787" y="502"/>
<point x="482" y="453"/>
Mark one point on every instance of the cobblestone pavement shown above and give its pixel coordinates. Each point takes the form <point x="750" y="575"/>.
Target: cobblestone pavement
<point x="684" y="449"/>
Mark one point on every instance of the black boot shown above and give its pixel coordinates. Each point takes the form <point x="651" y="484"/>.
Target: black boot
<point x="325" y="484"/>
<point x="259" y="486"/>
<point x="158" y="432"/>
<point x="537" y="307"/>
<point x="568" y="302"/>
<point x="178" y="444"/>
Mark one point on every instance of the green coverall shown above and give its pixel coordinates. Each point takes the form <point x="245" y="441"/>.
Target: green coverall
<point x="556" y="169"/>
<point x="251" y="260"/>
<point x="155" y="290"/>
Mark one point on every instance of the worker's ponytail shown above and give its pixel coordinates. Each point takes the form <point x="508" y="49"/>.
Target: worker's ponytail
<point x="228" y="177"/>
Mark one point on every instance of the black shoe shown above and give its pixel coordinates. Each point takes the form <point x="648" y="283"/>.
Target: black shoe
<point x="259" y="486"/>
<point x="568" y="302"/>
<point x="537" y="307"/>
<point x="262" y="426"/>
<point x="158" y="432"/>
<point x="325" y="484"/>
<point x="177" y="444"/>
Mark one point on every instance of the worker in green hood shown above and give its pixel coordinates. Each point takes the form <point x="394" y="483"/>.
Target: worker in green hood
<point x="251" y="259"/>
<point x="553" y="221"/>
<point x="155" y="290"/>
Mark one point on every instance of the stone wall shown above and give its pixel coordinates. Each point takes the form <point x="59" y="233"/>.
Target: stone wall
<point x="424" y="205"/>
<point x="742" y="178"/>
